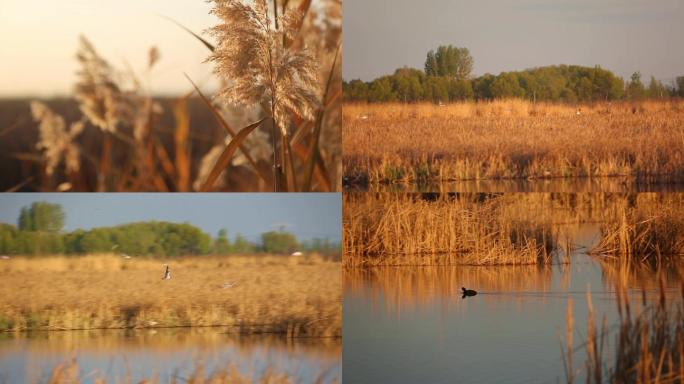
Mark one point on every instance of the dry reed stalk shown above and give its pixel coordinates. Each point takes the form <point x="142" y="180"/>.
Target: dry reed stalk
<point x="479" y="141"/>
<point x="392" y="229"/>
<point x="645" y="233"/>
<point x="253" y="54"/>
<point x="182" y="148"/>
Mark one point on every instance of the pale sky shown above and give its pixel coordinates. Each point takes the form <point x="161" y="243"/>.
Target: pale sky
<point x="620" y="35"/>
<point x="39" y="38"/>
<point x="307" y="215"/>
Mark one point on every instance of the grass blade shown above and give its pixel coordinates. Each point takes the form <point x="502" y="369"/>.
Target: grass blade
<point x="313" y="150"/>
<point x="225" y="157"/>
<point x="198" y="37"/>
<point x="230" y="131"/>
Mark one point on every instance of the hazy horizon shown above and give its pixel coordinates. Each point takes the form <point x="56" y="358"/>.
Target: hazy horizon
<point x="306" y="215"/>
<point x="508" y="35"/>
<point x="40" y="39"/>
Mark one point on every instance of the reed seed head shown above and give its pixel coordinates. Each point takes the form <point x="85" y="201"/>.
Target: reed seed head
<point x="55" y="140"/>
<point x="253" y="55"/>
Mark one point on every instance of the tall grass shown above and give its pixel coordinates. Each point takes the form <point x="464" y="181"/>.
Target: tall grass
<point x="397" y="229"/>
<point x="513" y="139"/>
<point x="649" y="343"/>
<point x="277" y="113"/>
<point x="293" y="296"/>
<point x="644" y="233"/>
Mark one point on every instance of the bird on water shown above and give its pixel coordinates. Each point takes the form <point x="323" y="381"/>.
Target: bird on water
<point x="468" y="292"/>
<point x="167" y="274"/>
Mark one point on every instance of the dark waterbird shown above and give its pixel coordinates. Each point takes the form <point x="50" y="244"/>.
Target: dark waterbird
<point x="468" y="292"/>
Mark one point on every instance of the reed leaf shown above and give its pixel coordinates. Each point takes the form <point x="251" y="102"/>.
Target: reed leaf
<point x="198" y="37"/>
<point x="223" y="160"/>
<point x="229" y="129"/>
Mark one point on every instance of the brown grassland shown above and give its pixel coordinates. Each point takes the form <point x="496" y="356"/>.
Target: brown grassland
<point x="398" y="229"/>
<point x="510" y="228"/>
<point x="513" y="139"/>
<point x="293" y="296"/>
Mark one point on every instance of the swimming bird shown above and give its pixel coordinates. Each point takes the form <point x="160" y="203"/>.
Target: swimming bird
<point x="167" y="274"/>
<point x="468" y="292"/>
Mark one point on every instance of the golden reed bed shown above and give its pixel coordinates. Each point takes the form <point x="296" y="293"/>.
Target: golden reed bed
<point x="295" y="296"/>
<point x="424" y="229"/>
<point x="510" y="228"/>
<point x="512" y="139"/>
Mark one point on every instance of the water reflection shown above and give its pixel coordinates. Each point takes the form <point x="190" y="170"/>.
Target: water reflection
<point x="408" y="324"/>
<point x="164" y="353"/>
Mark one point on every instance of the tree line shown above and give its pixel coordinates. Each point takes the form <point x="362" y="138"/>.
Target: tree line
<point x="447" y="76"/>
<point x="39" y="231"/>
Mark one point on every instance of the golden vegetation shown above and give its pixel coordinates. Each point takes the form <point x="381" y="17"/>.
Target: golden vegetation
<point x="513" y="139"/>
<point x="427" y="229"/>
<point x="649" y="342"/>
<point x="69" y="373"/>
<point x="277" y="114"/>
<point x="509" y="228"/>
<point x="294" y="296"/>
<point x="645" y="233"/>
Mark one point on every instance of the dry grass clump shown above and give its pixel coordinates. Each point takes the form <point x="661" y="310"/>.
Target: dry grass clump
<point x="512" y="139"/>
<point x="649" y="343"/>
<point x="294" y="296"/>
<point x="415" y="229"/>
<point x="276" y="117"/>
<point x="652" y="233"/>
<point x="69" y="373"/>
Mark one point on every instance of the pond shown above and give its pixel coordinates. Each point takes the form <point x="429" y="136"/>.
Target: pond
<point x="165" y="354"/>
<point x="411" y="324"/>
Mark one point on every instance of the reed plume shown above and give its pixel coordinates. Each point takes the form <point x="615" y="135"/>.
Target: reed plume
<point x="56" y="140"/>
<point x="251" y="54"/>
<point x="255" y="55"/>
<point x="101" y="99"/>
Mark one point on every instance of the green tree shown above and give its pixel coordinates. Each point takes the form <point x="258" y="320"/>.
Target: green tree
<point x="242" y="246"/>
<point x="278" y="242"/>
<point x="222" y="244"/>
<point x="41" y="216"/>
<point x="25" y="223"/>
<point x="506" y="85"/>
<point x="679" y="81"/>
<point x="635" y="88"/>
<point x="380" y="90"/>
<point x="449" y="61"/>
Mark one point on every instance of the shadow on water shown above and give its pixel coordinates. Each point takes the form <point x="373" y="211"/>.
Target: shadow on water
<point x="164" y="353"/>
<point x="411" y="324"/>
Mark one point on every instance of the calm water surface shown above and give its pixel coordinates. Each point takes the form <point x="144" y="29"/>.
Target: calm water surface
<point x="164" y="353"/>
<point x="410" y="325"/>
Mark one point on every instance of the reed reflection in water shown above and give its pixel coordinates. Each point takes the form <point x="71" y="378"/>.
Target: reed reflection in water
<point x="411" y="324"/>
<point x="116" y="355"/>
